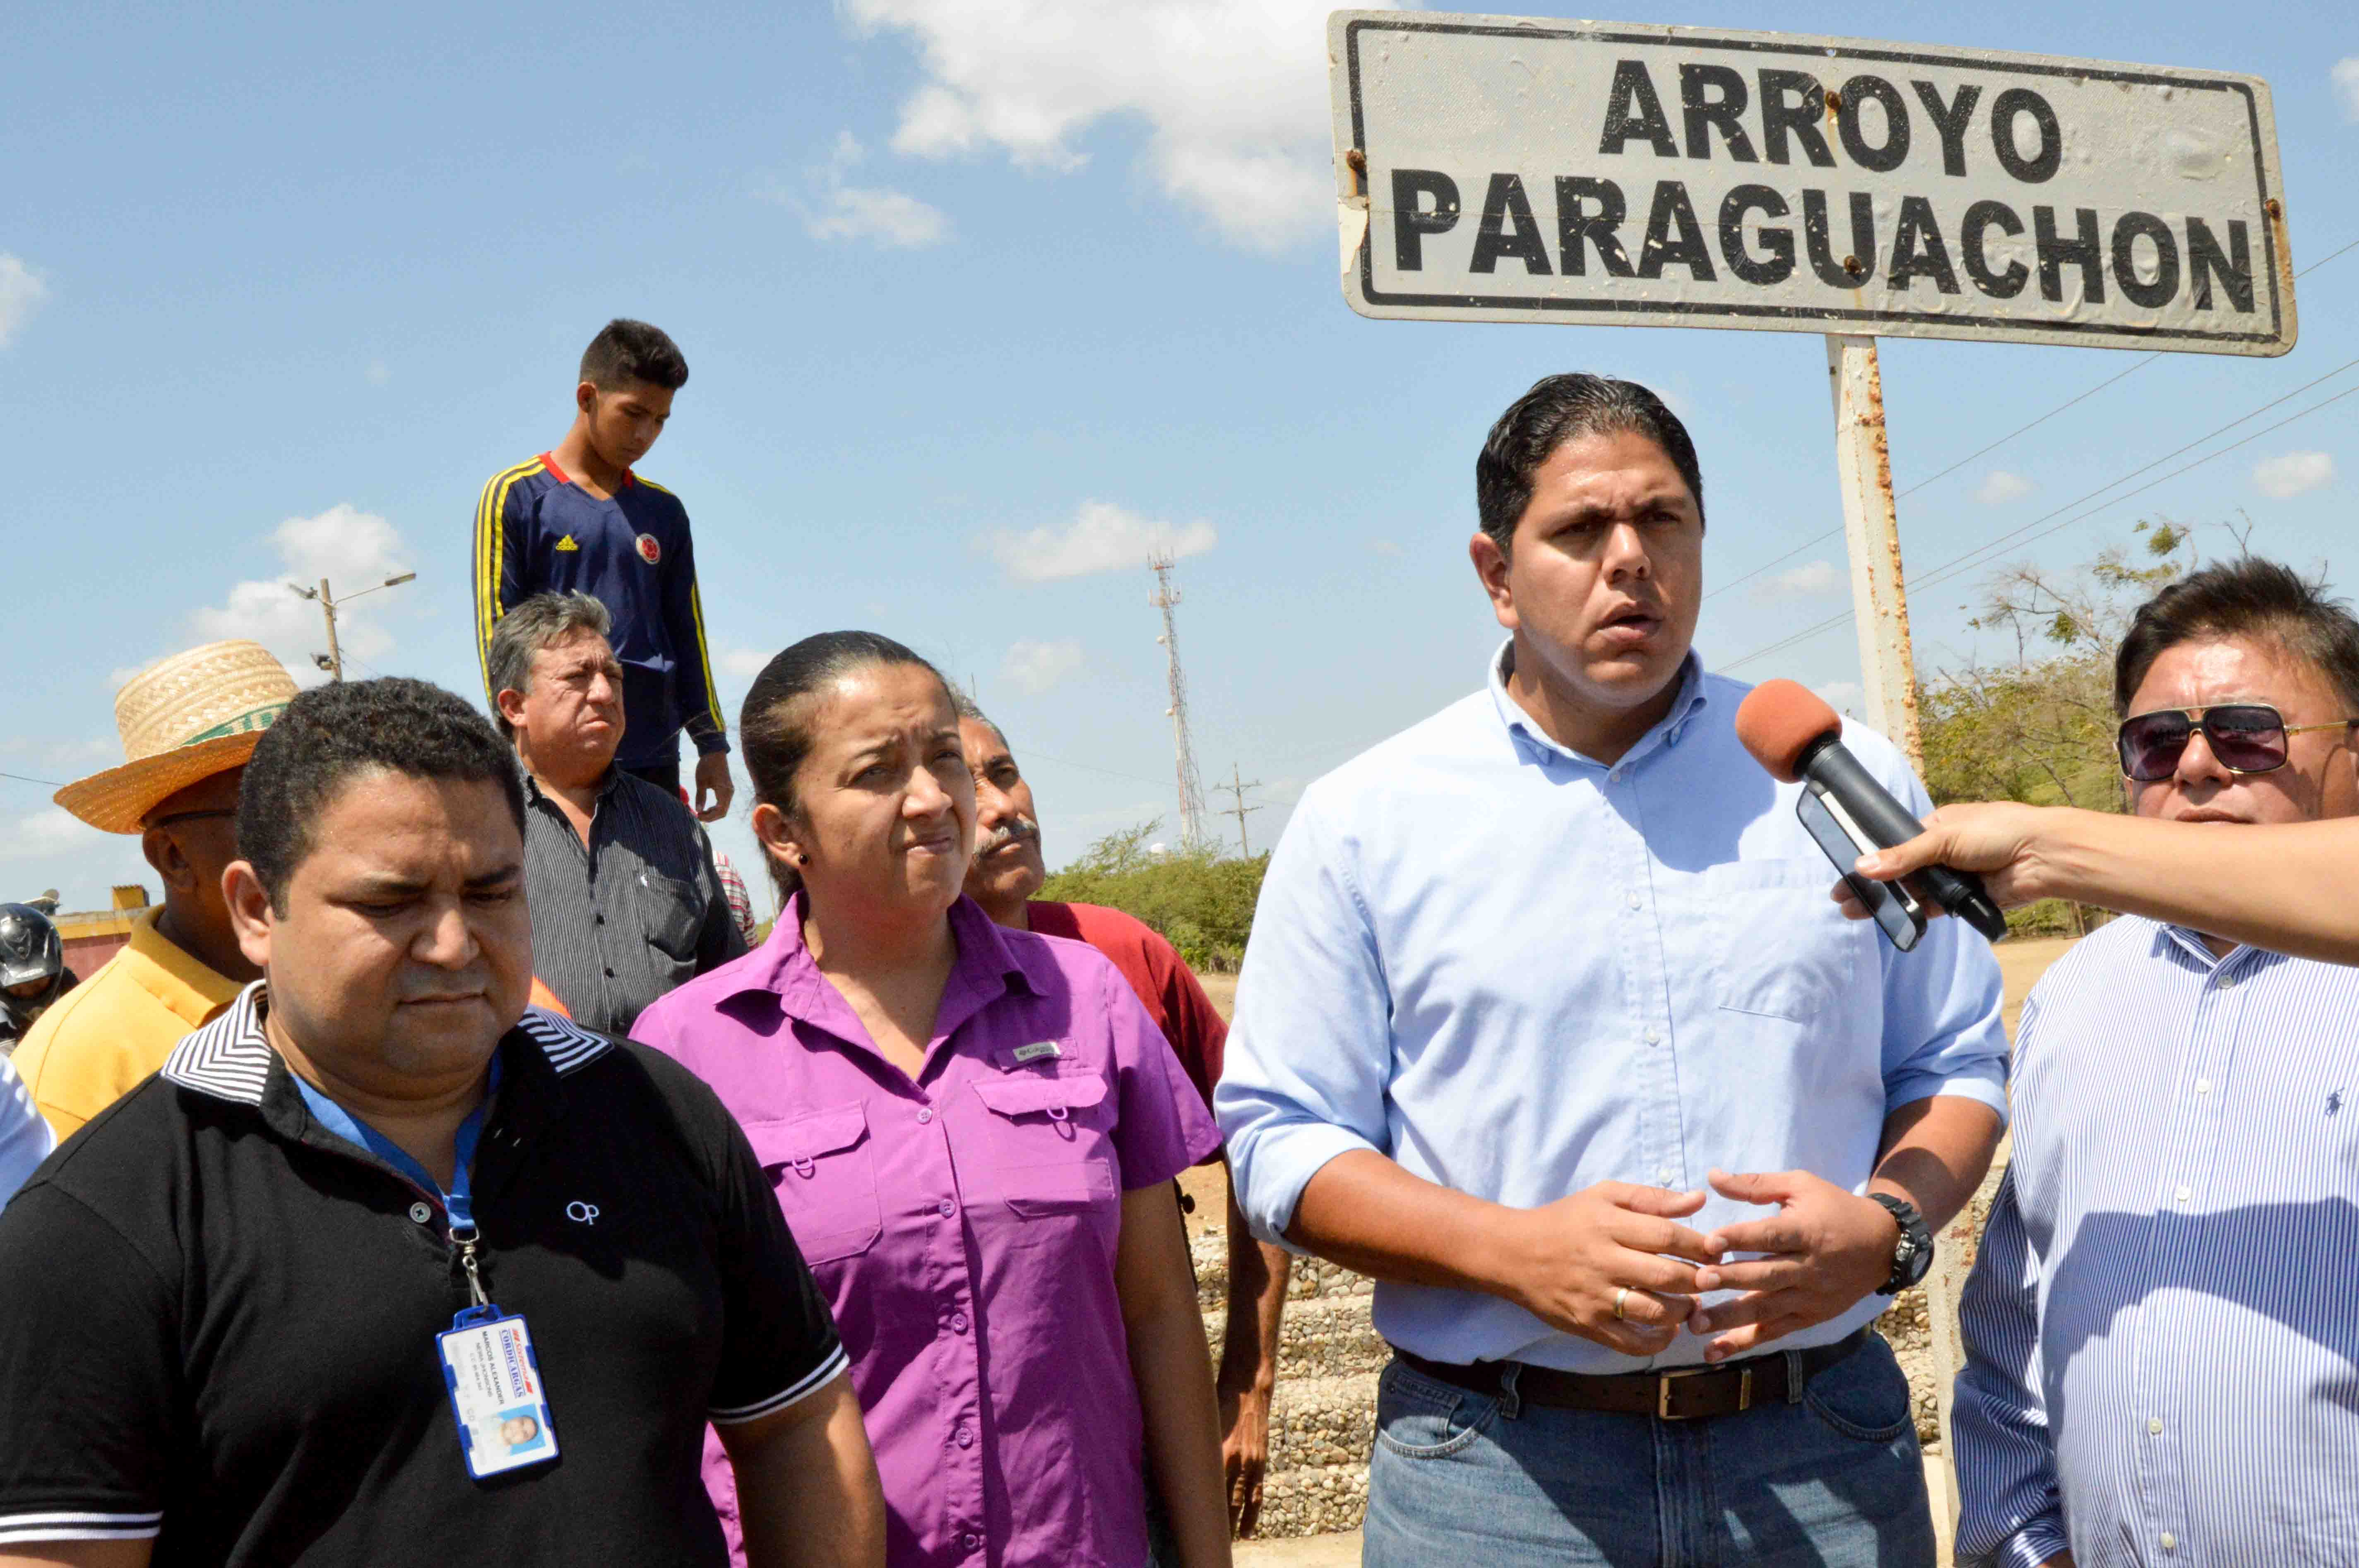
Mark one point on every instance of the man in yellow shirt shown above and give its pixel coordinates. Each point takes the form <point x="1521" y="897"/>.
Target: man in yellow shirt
<point x="189" y="725"/>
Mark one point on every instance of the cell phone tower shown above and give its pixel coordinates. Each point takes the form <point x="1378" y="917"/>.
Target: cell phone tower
<point x="1191" y="792"/>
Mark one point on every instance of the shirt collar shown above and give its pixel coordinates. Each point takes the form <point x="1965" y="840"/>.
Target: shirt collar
<point x="2190" y="943"/>
<point x="606" y="786"/>
<point x="173" y="975"/>
<point x="231" y="1058"/>
<point x="989" y="966"/>
<point x="1666" y="731"/>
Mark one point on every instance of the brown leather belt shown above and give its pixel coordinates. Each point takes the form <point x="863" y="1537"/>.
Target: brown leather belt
<point x="1683" y="1393"/>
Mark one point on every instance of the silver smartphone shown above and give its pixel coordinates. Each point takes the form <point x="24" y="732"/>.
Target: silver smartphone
<point x="1895" y="909"/>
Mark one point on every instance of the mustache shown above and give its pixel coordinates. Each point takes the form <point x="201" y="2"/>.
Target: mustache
<point x="1006" y="833"/>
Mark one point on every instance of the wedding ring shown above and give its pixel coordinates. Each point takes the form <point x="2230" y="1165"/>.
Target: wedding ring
<point x="1620" y="1295"/>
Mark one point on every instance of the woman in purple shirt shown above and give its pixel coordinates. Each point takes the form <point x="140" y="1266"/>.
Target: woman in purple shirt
<point x="972" y="1132"/>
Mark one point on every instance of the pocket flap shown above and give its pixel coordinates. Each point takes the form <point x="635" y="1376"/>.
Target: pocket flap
<point x="807" y="1136"/>
<point x="1016" y="1097"/>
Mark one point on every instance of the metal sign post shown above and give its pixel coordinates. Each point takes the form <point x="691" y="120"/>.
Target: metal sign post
<point x="1504" y="168"/>
<point x="1872" y="535"/>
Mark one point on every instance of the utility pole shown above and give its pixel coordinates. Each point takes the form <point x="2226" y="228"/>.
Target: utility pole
<point x="1236" y="787"/>
<point x="333" y="661"/>
<point x="1191" y="792"/>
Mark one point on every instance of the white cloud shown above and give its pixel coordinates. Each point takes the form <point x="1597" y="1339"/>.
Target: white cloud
<point x="1813" y="580"/>
<point x="2345" y="76"/>
<point x="1999" y="487"/>
<point x="1232" y="94"/>
<point x="861" y="212"/>
<point x="48" y="831"/>
<point x="353" y="550"/>
<point x="1103" y="537"/>
<point x="1842" y="695"/>
<point x="2288" y="474"/>
<point x="21" y="289"/>
<point x="1034" y="666"/>
<point x="745" y="663"/>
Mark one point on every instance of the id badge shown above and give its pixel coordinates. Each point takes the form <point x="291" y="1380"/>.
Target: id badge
<point x="495" y="1392"/>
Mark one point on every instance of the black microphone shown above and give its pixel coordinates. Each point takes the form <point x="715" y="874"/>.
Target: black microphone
<point x="1797" y="737"/>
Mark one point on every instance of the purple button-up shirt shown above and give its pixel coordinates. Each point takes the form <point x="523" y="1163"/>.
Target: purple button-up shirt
<point x="963" y="1226"/>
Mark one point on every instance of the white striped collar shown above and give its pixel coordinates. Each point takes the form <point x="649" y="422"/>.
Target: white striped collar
<point x="230" y="1057"/>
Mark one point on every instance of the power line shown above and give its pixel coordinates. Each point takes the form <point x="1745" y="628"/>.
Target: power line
<point x="1972" y="557"/>
<point x="1817" y="539"/>
<point x="24" y="778"/>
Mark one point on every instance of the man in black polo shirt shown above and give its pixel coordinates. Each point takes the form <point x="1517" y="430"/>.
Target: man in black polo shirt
<point x="384" y="1268"/>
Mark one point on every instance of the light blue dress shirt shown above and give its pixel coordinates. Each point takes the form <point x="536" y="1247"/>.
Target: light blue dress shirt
<point x="2163" y="1326"/>
<point x="25" y="1139"/>
<point x="1518" y="972"/>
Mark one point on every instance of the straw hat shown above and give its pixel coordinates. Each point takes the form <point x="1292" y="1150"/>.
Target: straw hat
<point x="194" y="715"/>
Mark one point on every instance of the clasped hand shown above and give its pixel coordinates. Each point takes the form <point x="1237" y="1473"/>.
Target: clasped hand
<point x="1615" y="1243"/>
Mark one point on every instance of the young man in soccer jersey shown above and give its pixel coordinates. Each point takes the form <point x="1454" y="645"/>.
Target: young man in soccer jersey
<point x="577" y="517"/>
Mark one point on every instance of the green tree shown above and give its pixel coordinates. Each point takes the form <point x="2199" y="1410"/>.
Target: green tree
<point x="1200" y="900"/>
<point x="2037" y="724"/>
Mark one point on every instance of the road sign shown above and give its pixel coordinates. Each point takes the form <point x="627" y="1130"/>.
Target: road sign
<point x="1498" y="168"/>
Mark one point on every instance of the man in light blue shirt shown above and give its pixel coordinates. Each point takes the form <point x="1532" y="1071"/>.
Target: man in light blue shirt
<point x="2162" y="1330"/>
<point x="1529" y="979"/>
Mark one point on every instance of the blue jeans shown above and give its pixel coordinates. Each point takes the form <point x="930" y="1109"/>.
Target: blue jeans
<point x="1833" y="1481"/>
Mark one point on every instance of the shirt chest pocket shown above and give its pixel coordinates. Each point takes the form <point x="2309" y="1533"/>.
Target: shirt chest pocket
<point x="822" y="1166"/>
<point x="1782" y="948"/>
<point x="672" y="914"/>
<point x="1044" y="1145"/>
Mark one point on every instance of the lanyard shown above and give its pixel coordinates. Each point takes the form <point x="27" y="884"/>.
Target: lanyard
<point x="459" y="1202"/>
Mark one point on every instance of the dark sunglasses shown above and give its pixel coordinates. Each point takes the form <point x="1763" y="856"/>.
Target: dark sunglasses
<point x="2246" y="737"/>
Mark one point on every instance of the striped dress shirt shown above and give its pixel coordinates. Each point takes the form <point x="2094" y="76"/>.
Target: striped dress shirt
<point x="621" y="919"/>
<point x="2162" y="1328"/>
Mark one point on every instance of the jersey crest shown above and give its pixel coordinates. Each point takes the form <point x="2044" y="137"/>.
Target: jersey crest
<point x="649" y="551"/>
<point x="566" y="543"/>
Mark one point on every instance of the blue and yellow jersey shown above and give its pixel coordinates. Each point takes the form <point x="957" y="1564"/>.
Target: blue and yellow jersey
<point x="537" y="531"/>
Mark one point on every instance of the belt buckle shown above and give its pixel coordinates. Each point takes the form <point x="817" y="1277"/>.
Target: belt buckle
<point x="1663" y="1381"/>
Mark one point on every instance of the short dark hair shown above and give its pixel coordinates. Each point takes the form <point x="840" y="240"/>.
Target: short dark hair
<point x="532" y="628"/>
<point x="1560" y="408"/>
<point x="773" y="726"/>
<point x="626" y="351"/>
<point x="964" y="705"/>
<point x="2248" y="597"/>
<point x="335" y="733"/>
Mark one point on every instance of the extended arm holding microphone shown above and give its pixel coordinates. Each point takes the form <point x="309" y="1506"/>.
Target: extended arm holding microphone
<point x="1797" y="737"/>
<point x="2288" y="887"/>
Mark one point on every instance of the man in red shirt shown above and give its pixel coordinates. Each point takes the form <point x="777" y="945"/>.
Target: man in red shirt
<point x="1006" y="871"/>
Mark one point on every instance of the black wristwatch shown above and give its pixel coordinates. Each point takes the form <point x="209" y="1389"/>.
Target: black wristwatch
<point x="1912" y="1255"/>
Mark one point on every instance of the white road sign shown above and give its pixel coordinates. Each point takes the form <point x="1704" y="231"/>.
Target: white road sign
<point x="1498" y="168"/>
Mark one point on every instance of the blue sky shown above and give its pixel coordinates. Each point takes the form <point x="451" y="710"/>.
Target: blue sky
<point x="978" y="295"/>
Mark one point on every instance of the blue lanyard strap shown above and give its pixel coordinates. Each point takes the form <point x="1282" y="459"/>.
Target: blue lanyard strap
<point x="459" y="1201"/>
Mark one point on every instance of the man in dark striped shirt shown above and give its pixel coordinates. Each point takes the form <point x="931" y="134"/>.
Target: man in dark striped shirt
<point x="2162" y="1340"/>
<point x="626" y="899"/>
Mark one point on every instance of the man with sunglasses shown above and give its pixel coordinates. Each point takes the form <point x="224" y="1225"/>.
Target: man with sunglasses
<point x="2163" y="1352"/>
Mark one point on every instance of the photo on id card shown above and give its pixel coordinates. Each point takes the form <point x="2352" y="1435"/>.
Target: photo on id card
<point x="497" y="1394"/>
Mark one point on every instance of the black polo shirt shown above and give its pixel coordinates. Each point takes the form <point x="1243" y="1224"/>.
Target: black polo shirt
<point x="217" y="1318"/>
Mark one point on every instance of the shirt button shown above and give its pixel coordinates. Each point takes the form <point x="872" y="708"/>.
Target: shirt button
<point x="958" y="1323"/>
<point x="973" y="1541"/>
<point x="2202" y="1086"/>
<point x="1635" y="901"/>
<point x="419" y="1213"/>
<point x="925" y="1116"/>
<point x="2154" y="1425"/>
<point x="963" y="1438"/>
<point x="2183" y="1194"/>
<point x="2227" y="980"/>
<point x="946" y="1209"/>
<point x="1654" y="1037"/>
<point x="2169" y="1541"/>
<point x="1666" y="1176"/>
<point x="610" y="974"/>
